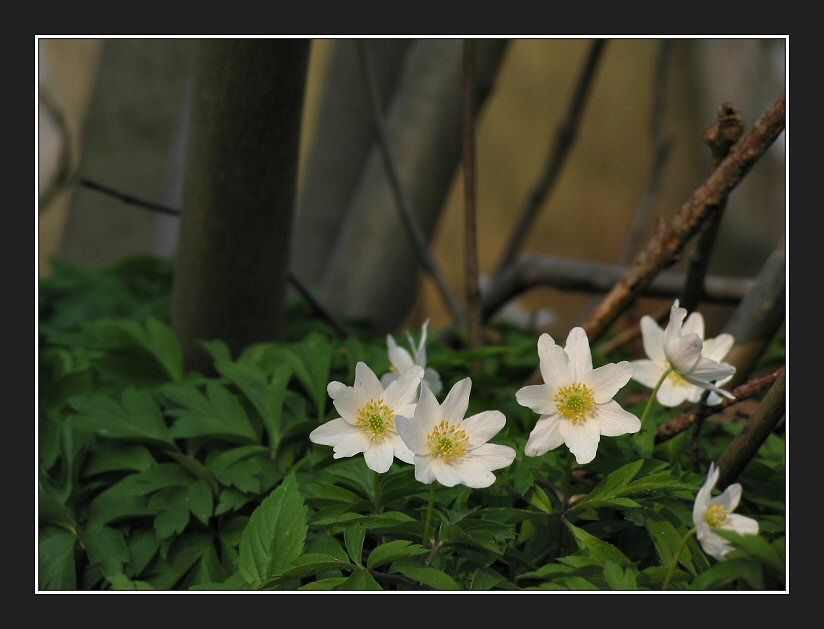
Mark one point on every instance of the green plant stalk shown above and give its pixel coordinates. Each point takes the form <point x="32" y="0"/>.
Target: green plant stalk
<point x="567" y="483"/>
<point x="377" y="492"/>
<point x="677" y="558"/>
<point x="427" y="527"/>
<point x="648" y="407"/>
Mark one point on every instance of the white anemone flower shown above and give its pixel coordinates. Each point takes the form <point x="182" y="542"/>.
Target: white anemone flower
<point x="696" y="363"/>
<point x="368" y="416"/>
<point x="709" y="513"/>
<point x="401" y="359"/>
<point x="450" y="449"/>
<point x="575" y="403"/>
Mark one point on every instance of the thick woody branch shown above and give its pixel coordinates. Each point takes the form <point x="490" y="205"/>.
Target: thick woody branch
<point x="665" y="247"/>
<point x="473" y="289"/>
<point x="533" y="270"/>
<point x="755" y="432"/>
<point x="746" y="391"/>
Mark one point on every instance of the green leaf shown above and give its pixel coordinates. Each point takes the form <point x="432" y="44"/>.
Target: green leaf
<point x="231" y="500"/>
<point x="725" y="572"/>
<point x="757" y="547"/>
<point x="609" y="488"/>
<point x="130" y="457"/>
<point x="275" y="533"/>
<point x="428" y="576"/>
<point x="267" y="398"/>
<point x="135" y="418"/>
<point x="360" y="580"/>
<point x="106" y="547"/>
<point x="324" y="584"/>
<point x="174" y="514"/>
<point x="219" y="415"/>
<point x="660" y="482"/>
<point x="666" y="539"/>
<point x="143" y="547"/>
<point x="200" y="501"/>
<point x="597" y="548"/>
<point x="185" y="552"/>
<point x="485" y="579"/>
<point x="122" y="582"/>
<point x="162" y="343"/>
<point x="317" y="491"/>
<point x="393" y="551"/>
<point x="51" y="506"/>
<point x="312" y="563"/>
<point x="353" y="536"/>
<point x="56" y="565"/>
<point x="619" y="579"/>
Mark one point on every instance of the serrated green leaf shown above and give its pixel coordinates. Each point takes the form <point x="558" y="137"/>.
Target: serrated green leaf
<point x="619" y="579"/>
<point x="318" y="491"/>
<point x="757" y="547"/>
<point x="174" y="511"/>
<point x="360" y="580"/>
<point x="660" y="482"/>
<point x="122" y="582"/>
<point x="275" y="533"/>
<point x="725" y="572"/>
<point x="143" y="547"/>
<point x="617" y="480"/>
<point x="432" y="577"/>
<point x="51" y="506"/>
<point x="106" y="548"/>
<point x="393" y="551"/>
<point x="313" y="563"/>
<point x="184" y="553"/>
<point x="485" y="579"/>
<point x="56" y="564"/>
<point x="220" y="416"/>
<point x="666" y="539"/>
<point x="200" y="501"/>
<point x="597" y="548"/>
<point x="353" y="536"/>
<point x="135" y="418"/>
<point x="161" y="341"/>
<point x="231" y="500"/>
<point x="324" y="584"/>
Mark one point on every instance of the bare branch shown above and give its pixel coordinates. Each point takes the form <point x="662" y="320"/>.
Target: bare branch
<point x="665" y="247"/>
<point x="413" y="229"/>
<point x="564" y="140"/>
<point x="743" y="448"/>
<point x="720" y="137"/>
<point x="747" y="390"/>
<point x="156" y="207"/>
<point x="473" y="290"/>
<point x="533" y="270"/>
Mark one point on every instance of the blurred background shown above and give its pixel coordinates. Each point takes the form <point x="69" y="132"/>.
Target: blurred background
<point x="117" y="111"/>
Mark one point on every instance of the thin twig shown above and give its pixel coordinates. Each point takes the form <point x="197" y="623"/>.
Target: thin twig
<point x="531" y="270"/>
<point x="661" y="147"/>
<point x="435" y="548"/>
<point x="720" y="137"/>
<point x="162" y="209"/>
<point x="747" y="390"/>
<point x="664" y="248"/>
<point x="473" y="290"/>
<point x="413" y="229"/>
<point x="564" y="140"/>
<point x="755" y="432"/>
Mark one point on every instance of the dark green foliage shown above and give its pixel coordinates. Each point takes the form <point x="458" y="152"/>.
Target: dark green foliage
<point x="155" y="478"/>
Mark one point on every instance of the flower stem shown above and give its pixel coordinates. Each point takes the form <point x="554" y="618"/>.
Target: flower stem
<point x="567" y="483"/>
<point x="677" y="558"/>
<point x="377" y="492"/>
<point x="427" y="527"/>
<point x="652" y="397"/>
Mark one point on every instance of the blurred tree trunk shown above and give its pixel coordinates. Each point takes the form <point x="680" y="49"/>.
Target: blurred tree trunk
<point x="239" y="193"/>
<point x="372" y="274"/>
<point x="343" y="133"/>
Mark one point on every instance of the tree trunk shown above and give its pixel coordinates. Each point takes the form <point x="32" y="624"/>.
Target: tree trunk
<point x="373" y="274"/>
<point x="239" y="193"/>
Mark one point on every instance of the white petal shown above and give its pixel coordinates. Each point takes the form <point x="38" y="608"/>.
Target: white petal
<point x="676" y="320"/>
<point x="741" y="524"/>
<point x="350" y="445"/>
<point x="398" y="356"/>
<point x="482" y="427"/>
<point x="554" y="362"/>
<point x="647" y="372"/>
<point x="388" y="378"/>
<point x="494" y="456"/>
<point x="445" y="473"/>
<point x="335" y="389"/>
<point x="420" y="352"/>
<point x="379" y="456"/>
<point x="413" y="433"/>
<point x="433" y="380"/>
<point x="331" y="432"/>
<point x="694" y="325"/>
<point x="702" y="499"/>
<point x="713" y="544"/>
<point x="580" y="356"/>
<point x="473" y="473"/>
<point x="614" y="421"/>
<point x="672" y="392"/>
<point x="367" y="384"/>
<point x="718" y="347"/>
<point x="653" y="337"/>
<point x="428" y="411"/>
<point x="729" y="498"/>
<point x="347" y="402"/>
<point x="704" y="381"/>
<point x="423" y="469"/>
<point x="581" y="439"/>
<point x="544" y="437"/>
<point x="711" y="370"/>
<point x="403" y="390"/>
<point x="457" y="400"/>
<point x="401" y="451"/>
<point x="538" y="397"/>
<point x="683" y="352"/>
<point x="607" y="380"/>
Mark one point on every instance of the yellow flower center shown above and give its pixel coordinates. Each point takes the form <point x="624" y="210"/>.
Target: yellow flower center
<point x="576" y="402"/>
<point x="716" y="516"/>
<point x="393" y="369"/>
<point x="375" y="420"/>
<point x="448" y="441"/>
<point x="674" y="377"/>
